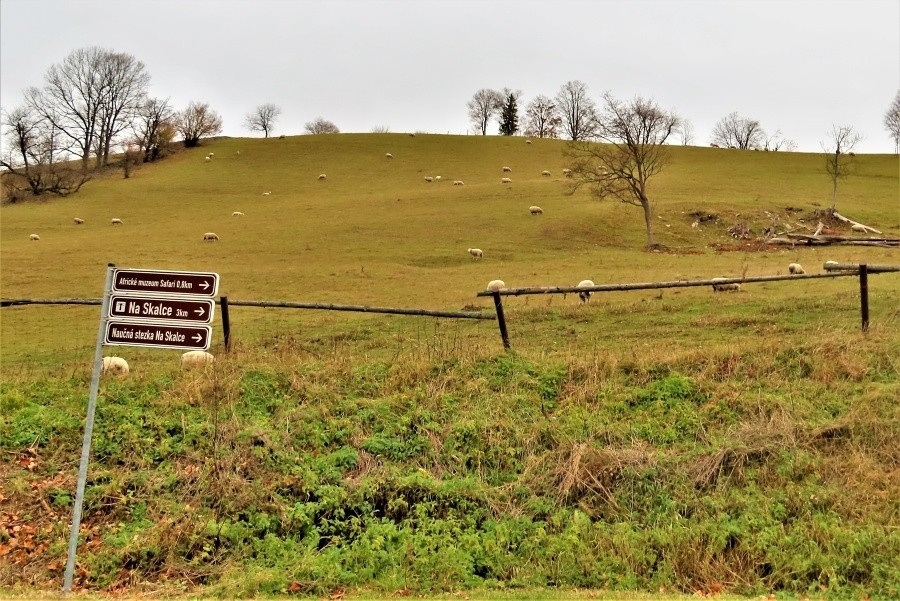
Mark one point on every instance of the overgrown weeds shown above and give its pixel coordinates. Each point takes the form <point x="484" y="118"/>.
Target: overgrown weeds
<point x="764" y="467"/>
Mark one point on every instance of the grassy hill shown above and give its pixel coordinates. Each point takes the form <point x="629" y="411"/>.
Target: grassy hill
<point x="679" y="440"/>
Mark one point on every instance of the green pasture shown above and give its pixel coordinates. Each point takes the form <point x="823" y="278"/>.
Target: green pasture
<point x="374" y="232"/>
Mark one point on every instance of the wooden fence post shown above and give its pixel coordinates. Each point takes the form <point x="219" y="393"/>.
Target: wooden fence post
<point x="864" y="295"/>
<point x="498" y="304"/>
<point x="226" y="323"/>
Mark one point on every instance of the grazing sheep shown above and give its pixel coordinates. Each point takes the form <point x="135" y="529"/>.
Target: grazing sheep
<point x="585" y="295"/>
<point x="437" y="178"/>
<point x="388" y="155"/>
<point x="114" y="366"/>
<point x="506" y="169"/>
<point x="267" y="193"/>
<point x="545" y="173"/>
<point x="536" y="210"/>
<point x="713" y="145"/>
<point x="505" y="180"/>
<point x="115" y="221"/>
<point x="429" y="179"/>
<point x="476" y="253"/>
<point x="528" y="141"/>
<point x="796" y="269"/>
<point x="495" y="285"/>
<point x="567" y="172"/>
<point x="729" y="287"/>
<point x="237" y="214"/>
<point x="210" y="237"/>
<point x="459" y="182"/>
<point x="859" y="228"/>
<point x="78" y="220"/>
<point x="197" y="359"/>
<point x="211" y="155"/>
<point x="322" y="176"/>
<point x="207" y="159"/>
<point x="34" y="237"/>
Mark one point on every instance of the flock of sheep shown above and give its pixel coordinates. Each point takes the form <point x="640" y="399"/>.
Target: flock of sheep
<point x="117" y="366"/>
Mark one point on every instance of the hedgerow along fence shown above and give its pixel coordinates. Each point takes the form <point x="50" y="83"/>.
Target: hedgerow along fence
<point x="832" y="270"/>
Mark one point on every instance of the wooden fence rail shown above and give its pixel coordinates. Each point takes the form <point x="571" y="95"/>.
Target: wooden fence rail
<point x="833" y="270"/>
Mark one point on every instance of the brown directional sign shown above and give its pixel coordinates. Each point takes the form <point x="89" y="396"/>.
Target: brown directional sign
<point x="157" y="335"/>
<point x="138" y="306"/>
<point x="184" y="283"/>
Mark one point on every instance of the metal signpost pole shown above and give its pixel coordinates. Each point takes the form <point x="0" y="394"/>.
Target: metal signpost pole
<point x="88" y="431"/>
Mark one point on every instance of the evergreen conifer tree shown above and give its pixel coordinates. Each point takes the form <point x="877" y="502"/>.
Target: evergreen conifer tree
<point x="509" y="116"/>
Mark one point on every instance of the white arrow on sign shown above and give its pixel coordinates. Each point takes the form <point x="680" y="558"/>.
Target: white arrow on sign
<point x="199" y="311"/>
<point x="198" y="338"/>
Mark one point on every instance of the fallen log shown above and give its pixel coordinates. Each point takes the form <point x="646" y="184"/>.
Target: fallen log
<point x="795" y="239"/>
<point x="840" y="217"/>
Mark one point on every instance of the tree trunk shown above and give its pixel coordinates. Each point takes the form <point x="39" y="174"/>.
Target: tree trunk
<point x="648" y="219"/>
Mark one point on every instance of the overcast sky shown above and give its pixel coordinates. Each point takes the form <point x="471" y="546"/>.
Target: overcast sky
<point x="799" y="66"/>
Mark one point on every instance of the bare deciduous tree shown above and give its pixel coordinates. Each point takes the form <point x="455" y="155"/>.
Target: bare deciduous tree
<point x="577" y="110"/>
<point x="777" y="142"/>
<point x="124" y="82"/>
<point x="542" y="119"/>
<point x="686" y="131"/>
<point x="735" y="131"/>
<point x="483" y="106"/>
<point x="892" y="121"/>
<point x="634" y="151"/>
<point x="90" y="98"/>
<point x="262" y="118"/>
<point x="30" y="164"/>
<point x="321" y="126"/>
<point x="154" y="128"/>
<point x="198" y="121"/>
<point x="839" y="156"/>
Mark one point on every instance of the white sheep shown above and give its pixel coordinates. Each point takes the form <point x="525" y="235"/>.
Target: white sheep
<point x="34" y="237"/>
<point x="211" y="155"/>
<point x="505" y="180"/>
<point x="859" y="228"/>
<point x="796" y="269"/>
<point x="197" y="359"/>
<point x="267" y="193"/>
<point x="115" y="221"/>
<point x="114" y="366"/>
<point x="459" y="182"/>
<point x="210" y="237"/>
<point x="388" y="155"/>
<point x="237" y="214"/>
<point x="506" y="169"/>
<point x="567" y="172"/>
<point x="729" y="287"/>
<point x="536" y="210"/>
<point x="585" y="295"/>
<point x="528" y="141"/>
<point x="495" y="285"/>
<point x="429" y="179"/>
<point x="476" y="253"/>
<point x="545" y="173"/>
<point x="437" y="178"/>
<point x="207" y="159"/>
<point x="322" y="176"/>
<point x="78" y="220"/>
